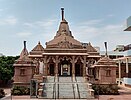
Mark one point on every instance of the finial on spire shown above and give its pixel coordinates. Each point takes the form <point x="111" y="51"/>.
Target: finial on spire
<point x="39" y="42"/>
<point x="106" y="48"/>
<point x="62" y="12"/>
<point x="24" y="44"/>
<point x="89" y="43"/>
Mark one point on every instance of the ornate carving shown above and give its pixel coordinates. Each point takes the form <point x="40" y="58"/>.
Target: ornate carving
<point x="79" y="58"/>
<point x="90" y="62"/>
<point x="65" y="44"/>
<point x="51" y="58"/>
<point x="65" y="57"/>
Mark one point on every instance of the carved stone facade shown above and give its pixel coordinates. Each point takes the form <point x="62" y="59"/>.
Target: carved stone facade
<point x="105" y="71"/>
<point x="24" y="68"/>
<point x="63" y="56"/>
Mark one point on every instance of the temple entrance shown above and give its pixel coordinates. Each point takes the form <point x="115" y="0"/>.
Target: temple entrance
<point x="65" y="68"/>
<point x="78" y="68"/>
<point x="51" y="69"/>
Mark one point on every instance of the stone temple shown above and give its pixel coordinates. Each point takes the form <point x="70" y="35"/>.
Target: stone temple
<point x="65" y="68"/>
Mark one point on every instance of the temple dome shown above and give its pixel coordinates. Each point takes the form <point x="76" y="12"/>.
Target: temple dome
<point x="62" y="33"/>
<point x="23" y="59"/>
<point x="38" y="49"/>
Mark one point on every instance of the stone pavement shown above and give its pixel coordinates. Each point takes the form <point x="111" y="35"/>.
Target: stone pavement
<point x="7" y="93"/>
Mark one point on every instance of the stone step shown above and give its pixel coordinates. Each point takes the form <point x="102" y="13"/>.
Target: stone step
<point x="38" y="77"/>
<point x="65" y="88"/>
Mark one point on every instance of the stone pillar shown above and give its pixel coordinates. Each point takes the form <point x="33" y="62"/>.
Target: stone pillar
<point x="73" y="66"/>
<point x="45" y="66"/>
<point x="37" y="67"/>
<point x="127" y="68"/>
<point x="84" y="67"/>
<point x="45" y="69"/>
<point x="41" y="67"/>
<point x="56" y="67"/>
<point x="119" y="71"/>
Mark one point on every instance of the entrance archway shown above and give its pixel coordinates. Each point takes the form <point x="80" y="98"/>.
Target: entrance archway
<point x="51" y="69"/>
<point x="65" y="68"/>
<point x="78" y="68"/>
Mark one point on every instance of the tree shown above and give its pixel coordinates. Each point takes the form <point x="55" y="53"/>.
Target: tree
<point x="6" y="67"/>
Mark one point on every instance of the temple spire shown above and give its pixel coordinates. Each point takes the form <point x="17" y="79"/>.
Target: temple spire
<point x="24" y="44"/>
<point x="62" y="12"/>
<point x="106" y="48"/>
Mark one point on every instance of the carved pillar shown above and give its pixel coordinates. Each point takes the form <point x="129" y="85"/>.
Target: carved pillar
<point x="45" y="66"/>
<point x="127" y="68"/>
<point x="41" y="66"/>
<point x="56" y="67"/>
<point x="119" y="71"/>
<point x="37" y="67"/>
<point x="84" y="67"/>
<point x="73" y="66"/>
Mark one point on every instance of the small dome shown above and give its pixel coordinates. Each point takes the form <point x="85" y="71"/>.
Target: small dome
<point x="38" y="49"/>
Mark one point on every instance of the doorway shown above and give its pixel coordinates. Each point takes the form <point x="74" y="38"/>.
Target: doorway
<point x="78" y="69"/>
<point x="51" y="69"/>
<point x="65" y="68"/>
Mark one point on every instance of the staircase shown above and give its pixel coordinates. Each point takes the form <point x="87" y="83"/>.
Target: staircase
<point x="82" y="88"/>
<point x="65" y="88"/>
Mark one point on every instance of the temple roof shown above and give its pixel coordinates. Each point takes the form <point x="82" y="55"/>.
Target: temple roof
<point x="90" y="48"/>
<point x="24" y="54"/>
<point x="38" y="49"/>
<point x="63" y="38"/>
<point x="105" y="62"/>
<point x="63" y="29"/>
<point x="64" y="41"/>
<point x="23" y="59"/>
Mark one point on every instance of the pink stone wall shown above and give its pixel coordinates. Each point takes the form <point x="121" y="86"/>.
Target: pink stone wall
<point x="23" y="78"/>
<point x="103" y="79"/>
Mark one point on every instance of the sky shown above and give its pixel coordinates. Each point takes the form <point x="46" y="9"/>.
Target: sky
<point x="94" y="21"/>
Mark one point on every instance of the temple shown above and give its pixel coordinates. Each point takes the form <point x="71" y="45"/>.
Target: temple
<point x="64" y="55"/>
<point x="63" y="58"/>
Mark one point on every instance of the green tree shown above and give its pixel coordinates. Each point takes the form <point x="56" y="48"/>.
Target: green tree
<point x="6" y="67"/>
